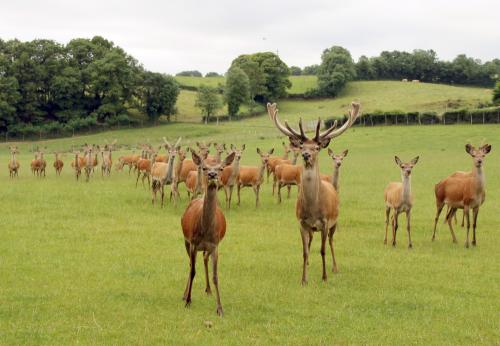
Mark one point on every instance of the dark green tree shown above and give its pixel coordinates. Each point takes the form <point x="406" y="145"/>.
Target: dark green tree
<point x="364" y="69"/>
<point x="336" y="69"/>
<point x="295" y="71"/>
<point x="208" y="101"/>
<point x="311" y="70"/>
<point x="159" y="95"/>
<point x="496" y="93"/>
<point x="212" y="74"/>
<point x="237" y="90"/>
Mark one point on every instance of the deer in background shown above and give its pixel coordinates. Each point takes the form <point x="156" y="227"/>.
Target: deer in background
<point x="39" y="164"/>
<point x="144" y="165"/>
<point x="337" y="162"/>
<point x="287" y="174"/>
<point x="58" y="163"/>
<point x="181" y="171"/>
<point x="162" y="173"/>
<point x="277" y="160"/>
<point x="399" y="198"/>
<point x="33" y="164"/>
<point x="204" y="150"/>
<point x="128" y="160"/>
<point x="463" y="191"/>
<point x="107" y="159"/>
<point x="77" y="165"/>
<point x="253" y="176"/>
<point x="13" y="163"/>
<point x="204" y="226"/>
<point x="229" y="175"/>
<point x="161" y="158"/>
<point x="317" y="206"/>
<point x="89" y="161"/>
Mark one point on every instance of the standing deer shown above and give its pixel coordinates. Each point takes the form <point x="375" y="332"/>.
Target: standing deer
<point x="89" y="161"/>
<point x="58" y="164"/>
<point x="13" y="163"/>
<point x="277" y="160"/>
<point x="204" y="226"/>
<point x="463" y="191"/>
<point x="317" y="206"/>
<point x="287" y="175"/>
<point x="337" y="162"/>
<point x="107" y="160"/>
<point x="399" y="198"/>
<point x="230" y="174"/>
<point x="34" y="163"/>
<point x="144" y="165"/>
<point x="40" y="164"/>
<point x="162" y="173"/>
<point x="77" y="164"/>
<point x="253" y="176"/>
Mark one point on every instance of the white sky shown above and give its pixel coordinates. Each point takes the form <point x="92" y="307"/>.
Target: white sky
<point x="169" y="36"/>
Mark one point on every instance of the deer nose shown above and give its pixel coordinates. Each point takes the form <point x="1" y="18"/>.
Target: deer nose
<point x="212" y="175"/>
<point x="306" y="156"/>
<point x="480" y="161"/>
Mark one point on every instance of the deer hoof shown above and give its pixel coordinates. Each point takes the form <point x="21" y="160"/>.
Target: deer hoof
<point x="410" y="246"/>
<point x="466" y="245"/>
<point x="208" y="291"/>
<point x="474" y="242"/>
<point x="220" y="312"/>
<point x="385" y="242"/>
<point x="188" y="303"/>
<point x="304" y="282"/>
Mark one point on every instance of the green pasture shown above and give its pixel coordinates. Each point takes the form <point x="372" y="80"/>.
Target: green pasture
<point x="96" y="263"/>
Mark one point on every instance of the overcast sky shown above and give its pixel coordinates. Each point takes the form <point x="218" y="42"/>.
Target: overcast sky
<point x="170" y="36"/>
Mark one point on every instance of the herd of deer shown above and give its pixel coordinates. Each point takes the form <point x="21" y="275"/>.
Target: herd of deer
<point x="317" y="206"/>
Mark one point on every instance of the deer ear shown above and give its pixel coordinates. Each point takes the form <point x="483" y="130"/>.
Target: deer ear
<point x="232" y="146"/>
<point x="258" y="151"/>
<point x="398" y="160"/>
<point x="486" y="148"/>
<point x="196" y="159"/>
<point x="295" y="143"/>
<point x="271" y="151"/>
<point x="330" y="152"/>
<point x="243" y="147"/>
<point x="228" y="160"/>
<point x="469" y="148"/>
<point x="414" y="161"/>
<point x="345" y="152"/>
<point x="324" y="143"/>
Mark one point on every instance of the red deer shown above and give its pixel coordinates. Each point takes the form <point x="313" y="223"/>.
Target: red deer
<point x="58" y="164"/>
<point x="317" y="206"/>
<point x="128" y="160"/>
<point x="463" y="191"/>
<point x="162" y="173"/>
<point x="204" y="226"/>
<point x="39" y="164"/>
<point x="13" y="163"/>
<point x="399" y="198"/>
<point x="276" y="160"/>
<point x="89" y="161"/>
<point x="33" y="164"/>
<point x="253" y="176"/>
<point x="144" y="165"/>
<point x="77" y="165"/>
<point x="337" y="162"/>
<point x="287" y="175"/>
<point x="229" y="175"/>
<point x="107" y="160"/>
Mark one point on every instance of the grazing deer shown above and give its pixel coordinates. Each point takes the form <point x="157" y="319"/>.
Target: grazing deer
<point x="229" y="175"/>
<point x="162" y="173"/>
<point x="287" y="175"/>
<point x="58" y="164"/>
<point x="204" y="226"/>
<point x="463" y="191"/>
<point x="399" y="198"/>
<point x="13" y="163"/>
<point x="337" y="162"/>
<point x="107" y="159"/>
<point x="77" y="165"/>
<point x="277" y="160"/>
<point x="317" y="205"/>
<point x="253" y="176"/>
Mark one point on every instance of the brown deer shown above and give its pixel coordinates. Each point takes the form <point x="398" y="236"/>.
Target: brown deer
<point x="58" y="163"/>
<point x="34" y="163"/>
<point x="399" y="198"/>
<point x="317" y="206"/>
<point x="40" y="164"/>
<point x="128" y="160"/>
<point x="337" y="162"/>
<point x="287" y="175"/>
<point x="204" y="226"/>
<point x="229" y="175"/>
<point x="89" y="161"/>
<point x="276" y="160"/>
<point x="13" y="163"/>
<point x="463" y="191"/>
<point x="144" y="165"/>
<point x="193" y="189"/>
<point x="220" y="148"/>
<point x="77" y="165"/>
<point x="253" y="176"/>
<point x="181" y="171"/>
<point x="161" y="158"/>
<point x="162" y="173"/>
<point x="107" y="159"/>
<point x="204" y="150"/>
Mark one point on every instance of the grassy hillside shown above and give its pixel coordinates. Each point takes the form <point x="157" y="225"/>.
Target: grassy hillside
<point x="197" y="81"/>
<point x="96" y="263"/>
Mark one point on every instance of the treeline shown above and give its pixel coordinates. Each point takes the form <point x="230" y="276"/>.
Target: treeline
<point x="50" y="88"/>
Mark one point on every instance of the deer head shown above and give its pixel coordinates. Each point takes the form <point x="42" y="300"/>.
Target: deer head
<point x="406" y="167"/>
<point x="310" y="147"/>
<point x="237" y="152"/>
<point x="478" y="154"/>
<point x="337" y="159"/>
<point x="211" y="171"/>
<point x="204" y="149"/>
<point x="172" y="151"/>
<point x="265" y="156"/>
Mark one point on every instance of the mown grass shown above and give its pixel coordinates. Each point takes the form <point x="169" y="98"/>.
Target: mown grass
<point x="96" y="263"/>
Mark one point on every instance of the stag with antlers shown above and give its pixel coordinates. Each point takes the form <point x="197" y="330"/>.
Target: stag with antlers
<point x="317" y="206"/>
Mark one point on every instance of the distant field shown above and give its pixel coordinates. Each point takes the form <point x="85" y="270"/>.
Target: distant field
<point x="197" y="81"/>
<point x="301" y="84"/>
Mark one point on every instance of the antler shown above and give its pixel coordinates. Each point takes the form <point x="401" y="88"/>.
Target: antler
<point x="272" y="110"/>
<point x="353" y="115"/>
<point x="178" y="142"/>
<point x="166" y="142"/>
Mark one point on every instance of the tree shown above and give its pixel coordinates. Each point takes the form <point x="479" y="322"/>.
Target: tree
<point x="311" y="70"/>
<point x="295" y="71"/>
<point x="212" y="74"/>
<point x="364" y="69"/>
<point x="496" y="93"/>
<point x="159" y="95"/>
<point x="190" y="74"/>
<point x="237" y="91"/>
<point x="267" y="74"/>
<point x="208" y="101"/>
<point x="336" y="69"/>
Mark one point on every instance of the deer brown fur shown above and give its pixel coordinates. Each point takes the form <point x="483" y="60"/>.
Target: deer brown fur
<point x="163" y="173"/>
<point x="253" y="176"/>
<point x="58" y="164"/>
<point x="229" y="176"/>
<point x="13" y="163"/>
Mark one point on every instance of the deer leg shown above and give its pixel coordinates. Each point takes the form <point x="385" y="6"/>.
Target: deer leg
<point x="324" y="234"/>
<point x="184" y="296"/>
<point x="215" y="259"/>
<point x="230" y="195"/>
<point x="279" y="191"/>
<point x="387" y="213"/>
<point x="274" y="183"/>
<point x="330" y="239"/>
<point x="192" y="273"/>
<point x="475" y="211"/>
<point x="438" y="212"/>
<point x="466" y="214"/>
<point x="257" y="189"/>
<point x="137" y="180"/>
<point x="268" y="171"/>
<point x="162" y="192"/>
<point x="239" y="188"/>
<point x="305" y="253"/>
<point x="408" y="217"/>
<point x="394" y="227"/>
<point x="289" y="187"/>
<point x="225" y="187"/>
<point x="206" y="256"/>
<point x="463" y="220"/>
<point x="448" y="219"/>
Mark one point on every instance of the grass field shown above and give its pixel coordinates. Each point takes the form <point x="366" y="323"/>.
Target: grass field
<point x="95" y="263"/>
